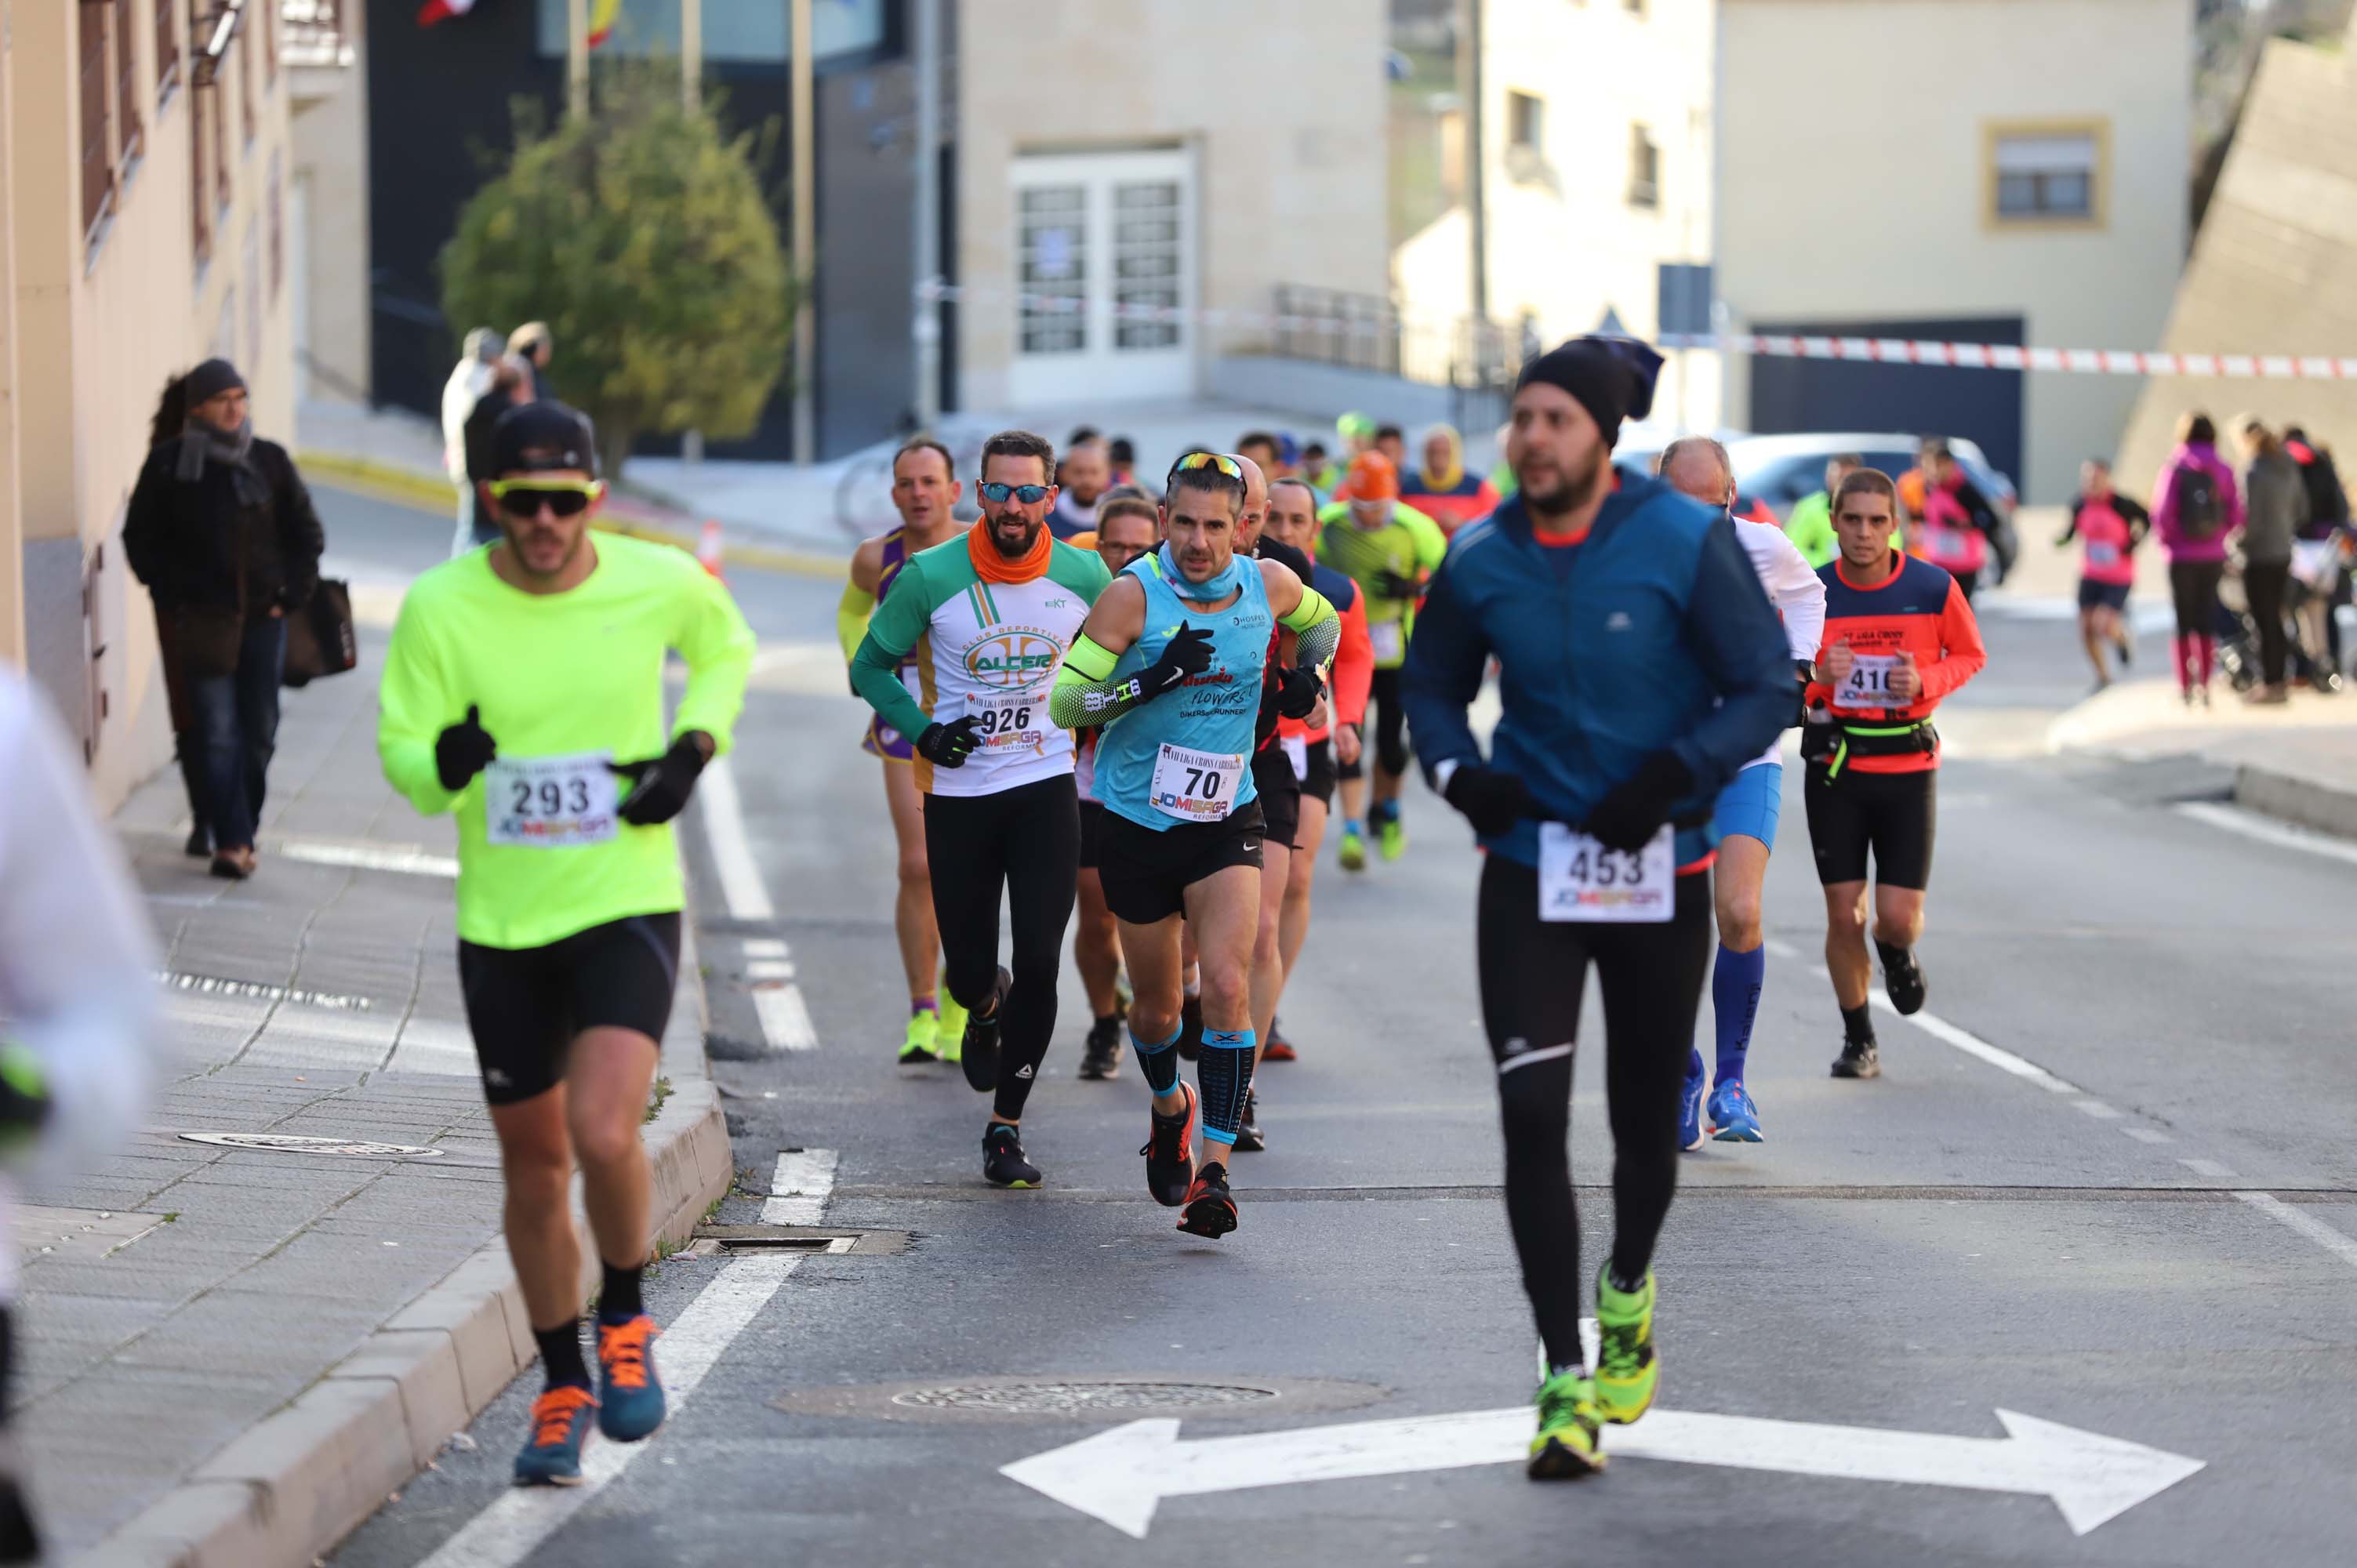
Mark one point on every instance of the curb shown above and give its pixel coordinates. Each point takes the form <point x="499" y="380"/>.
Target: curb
<point x="433" y="492"/>
<point x="2293" y="798"/>
<point x="285" y="1491"/>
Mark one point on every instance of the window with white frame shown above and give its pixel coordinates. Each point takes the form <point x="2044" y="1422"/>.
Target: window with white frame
<point x="2046" y="175"/>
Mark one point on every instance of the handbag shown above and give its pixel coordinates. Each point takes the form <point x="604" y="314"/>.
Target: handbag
<point x="321" y="638"/>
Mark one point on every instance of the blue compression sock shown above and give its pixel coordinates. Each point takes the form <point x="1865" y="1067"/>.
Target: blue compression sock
<point x="1736" y="982"/>
<point x="1159" y="1062"/>
<point x="1225" y="1072"/>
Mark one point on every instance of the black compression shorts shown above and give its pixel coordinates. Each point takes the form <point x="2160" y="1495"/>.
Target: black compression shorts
<point x="1146" y="874"/>
<point x="1280" y="794"/>
<point x="1092" y="816"/>
<point x="1890" y="815"/>
<point x="1389" y="737"/>
<point x="1319" y="783"/>
<point x="526" y="1005"/>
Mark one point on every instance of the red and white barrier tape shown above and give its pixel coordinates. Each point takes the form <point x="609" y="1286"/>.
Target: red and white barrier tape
<point x="1872" y="350"/>
<point x="2006" y="356"/>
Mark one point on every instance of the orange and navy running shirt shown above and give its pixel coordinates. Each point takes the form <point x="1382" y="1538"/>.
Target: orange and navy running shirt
<point x="1917" y="612"/>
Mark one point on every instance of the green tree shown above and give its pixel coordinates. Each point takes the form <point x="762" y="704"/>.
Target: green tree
<point x="639" y="235"/>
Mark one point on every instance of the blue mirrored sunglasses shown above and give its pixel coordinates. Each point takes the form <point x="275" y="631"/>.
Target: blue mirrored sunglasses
<point x="1029" y="495"/>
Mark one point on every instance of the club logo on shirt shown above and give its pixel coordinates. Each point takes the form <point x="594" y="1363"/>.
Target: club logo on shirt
<point x="1017" y="657"/>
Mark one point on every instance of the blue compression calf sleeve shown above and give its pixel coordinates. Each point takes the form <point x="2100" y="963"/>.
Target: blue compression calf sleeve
<point x="1225" y="1072"/>
<point x="1159" y="1062"/>
<point x="1736" y="982"/>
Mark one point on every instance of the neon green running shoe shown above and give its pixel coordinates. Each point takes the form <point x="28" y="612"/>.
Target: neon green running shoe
<point x="1353" y="852"/>
<point x="1392" y="838"/>
<point x="949" y="1043"/>
<point x="1567" y="1445"/>
<point x="924" y="1037"/>
<point x="1626" y="1370"/>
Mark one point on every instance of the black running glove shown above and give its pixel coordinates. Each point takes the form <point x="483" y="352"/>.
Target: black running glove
<point x="1629" y="817"/>
<point x="949" y="745"/>
<point x="1298" y="692"/>
<point x="1393" y="586"/>
<point x="1807" y="673"/>
<point x="24" y="1096"/>
<point x="463" y="750"/>
<point x="660" y="785"/>
<point x="1188" y="653"/>
<point x="1492" y="800"/>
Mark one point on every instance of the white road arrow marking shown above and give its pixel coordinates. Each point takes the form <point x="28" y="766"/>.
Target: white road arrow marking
<point x="1122" y="1474"/>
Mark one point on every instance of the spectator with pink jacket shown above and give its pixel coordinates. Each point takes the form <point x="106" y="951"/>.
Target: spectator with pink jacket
<point x="2196" y="507"/>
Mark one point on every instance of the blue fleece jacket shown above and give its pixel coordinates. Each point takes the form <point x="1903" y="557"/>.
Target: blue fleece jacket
<point x="1658" y="637"/>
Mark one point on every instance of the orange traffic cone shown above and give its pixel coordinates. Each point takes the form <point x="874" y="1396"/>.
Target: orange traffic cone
<point x="707" y="549"/>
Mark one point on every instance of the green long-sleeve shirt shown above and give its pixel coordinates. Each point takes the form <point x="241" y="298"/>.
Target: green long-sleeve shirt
<point x="557" y="676"/>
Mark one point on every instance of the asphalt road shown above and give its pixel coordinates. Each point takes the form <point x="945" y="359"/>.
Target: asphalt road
<point x="2155" y="1242"/>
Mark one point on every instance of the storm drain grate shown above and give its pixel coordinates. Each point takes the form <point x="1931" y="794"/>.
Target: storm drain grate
<point x="1053" y="1398"/>
<point x="1099" y="1397"/>
<point x="295" y="1143"/>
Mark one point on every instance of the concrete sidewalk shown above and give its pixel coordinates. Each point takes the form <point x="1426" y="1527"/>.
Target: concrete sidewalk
<point x="232" y="1354"/>
<point x="2297" y="762"/>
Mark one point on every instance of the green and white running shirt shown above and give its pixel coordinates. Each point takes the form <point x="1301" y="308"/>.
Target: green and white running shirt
<point x="987" y="649"/>
<point x="566" y="682"/>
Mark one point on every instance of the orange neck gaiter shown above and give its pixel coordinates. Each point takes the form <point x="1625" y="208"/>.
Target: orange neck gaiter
<point x="993" y="567"/>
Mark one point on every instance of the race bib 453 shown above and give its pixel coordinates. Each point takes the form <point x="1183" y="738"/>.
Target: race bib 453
<point x="1579" y="879"/>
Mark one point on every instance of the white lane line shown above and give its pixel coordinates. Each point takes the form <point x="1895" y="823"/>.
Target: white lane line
<point x="763" y="947"/>
<point x="368" y="857"/>
<point x="1972" y="1045"/>
<point x="2097" y="1109"/>
<point x="2210" y="1168"/>
<point x="741" y="887"/>
<point x="2147" y="1134"/>
<point x="769" y="969"/>
<point x="2341" y="1247"/>
<point x="785" y="1017"/>
<point x="798" y="1187"/>
<point x="517" y="1522"/>
<point x="2267" y="830"/>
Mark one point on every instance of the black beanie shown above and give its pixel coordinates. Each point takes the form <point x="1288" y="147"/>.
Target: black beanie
<point x="211" y="378"/>
<point x="1611" y="378"/>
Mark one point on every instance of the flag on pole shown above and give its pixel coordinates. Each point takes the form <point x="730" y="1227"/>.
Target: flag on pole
<point x="435" y="11"/>
<point x="601" y="19"/>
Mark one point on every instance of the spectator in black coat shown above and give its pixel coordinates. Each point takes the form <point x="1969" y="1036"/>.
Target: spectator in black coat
<point x="222" y="532"/>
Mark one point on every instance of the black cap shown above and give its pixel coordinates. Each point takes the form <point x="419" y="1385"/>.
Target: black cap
<point x="1611" y="378"/>
<point x="211" y="378"/>
<point x="540" y="437"/>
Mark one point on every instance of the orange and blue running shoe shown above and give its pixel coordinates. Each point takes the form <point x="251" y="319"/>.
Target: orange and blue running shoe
<point x="629" y="1397"/>
<point x="1170" y="1151"/>
<point x="1210" y="1207"/>
<point x="560" y="1428"/>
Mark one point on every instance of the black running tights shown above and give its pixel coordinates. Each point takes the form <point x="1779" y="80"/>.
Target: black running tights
<point x="1025" y="839"/>
<point x="1532" y="973"/>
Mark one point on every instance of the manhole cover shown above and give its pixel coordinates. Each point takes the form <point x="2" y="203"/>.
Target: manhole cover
<point x="1083" y="1398"/>
<point x="293" y="1144"/>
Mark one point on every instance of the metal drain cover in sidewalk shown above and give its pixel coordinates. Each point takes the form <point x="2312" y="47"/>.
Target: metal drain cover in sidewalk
<point x="1052" y="1399"/>
<point x="295" y="1143"/>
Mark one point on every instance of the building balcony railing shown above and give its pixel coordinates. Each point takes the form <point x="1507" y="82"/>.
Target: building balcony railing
<point x="311" y="35"/>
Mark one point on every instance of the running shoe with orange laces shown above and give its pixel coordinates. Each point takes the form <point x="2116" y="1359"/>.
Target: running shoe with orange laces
<point x="629" y="1397"/>
<point x="560" y="1428"/>
<point x="1279" y="1048"/>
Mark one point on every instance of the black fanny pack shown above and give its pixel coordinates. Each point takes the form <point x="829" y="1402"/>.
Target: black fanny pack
<point x="1834" y="743"/>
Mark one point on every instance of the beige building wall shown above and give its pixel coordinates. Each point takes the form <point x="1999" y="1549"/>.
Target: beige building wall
<point x="104" y="318"/>
<point x="1282" y="106"/>
<point x="328" y="217"/>
<point x="2275" y="270"/>
<point x="1567" y="240"/>
<point x="1884" y="111"/>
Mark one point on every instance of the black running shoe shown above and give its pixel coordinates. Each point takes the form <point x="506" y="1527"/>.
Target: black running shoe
<point x="19" y="1540"/>
<point x="1170" y="1152"/>
<point x="1210" y="1207"/>
<point x="1101" y="1058"/>
<point x="1190" y="1028"/>
<point x="1248" y="1138"/>
<point x="980" y="1055"/>
<point x="1858" y="1059"/>
<point x="1003" y="1164"/>
<point x="1903" y="977"/>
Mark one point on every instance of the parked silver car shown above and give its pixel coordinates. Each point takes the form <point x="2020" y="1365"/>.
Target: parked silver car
<point x="1781" y="470"/>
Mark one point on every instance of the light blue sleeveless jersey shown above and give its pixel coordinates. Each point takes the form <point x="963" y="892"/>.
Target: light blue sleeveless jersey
<point x="1215" y="712"/>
